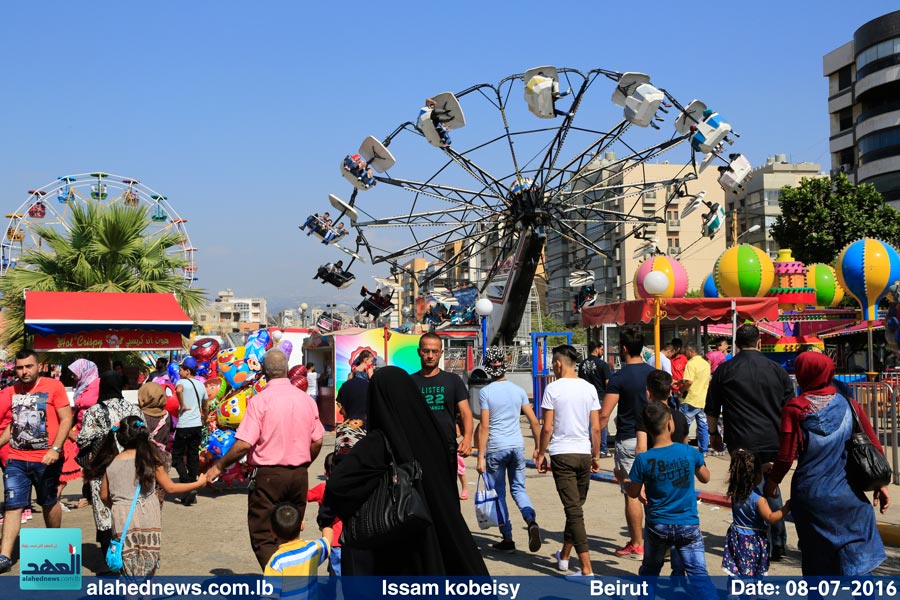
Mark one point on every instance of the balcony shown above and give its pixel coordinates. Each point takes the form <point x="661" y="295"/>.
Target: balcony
<point x="673" y="250"/>
<point x="673" y="224"/>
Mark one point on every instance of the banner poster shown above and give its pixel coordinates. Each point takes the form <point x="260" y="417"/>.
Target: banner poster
<point x="112" y="339"/>
<point x="402" y="351"/>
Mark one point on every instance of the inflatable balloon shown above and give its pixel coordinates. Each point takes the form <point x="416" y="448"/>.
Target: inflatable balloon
<point x="709" y="287"/>
<point x="204" y="350"/>
<point x="233" y="407"/>
<point x="259" y="384"/>
<point x="172" y="406"/>
<point x="257" y="343"/>
<point x="297" y="375"/>
<point x="287" y="347"/>
<point x="233" y="366"/>
<point x="744" y="272"/>
<point x="678" y="279"/>
<point x="823" y="279"/>
<point x="866" y="269"/>
<point x="215" y="388"/>
<point x="220" y="442"/>
<point x="174" y="374"/>
<point x="277" y="335"/>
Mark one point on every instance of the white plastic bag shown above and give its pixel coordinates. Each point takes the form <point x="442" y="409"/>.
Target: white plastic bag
<point x="488" y="510"/>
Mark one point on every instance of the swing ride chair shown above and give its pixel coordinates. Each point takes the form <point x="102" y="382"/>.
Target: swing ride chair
<point x="23" y="232"/>
<point x="494" y="198"/>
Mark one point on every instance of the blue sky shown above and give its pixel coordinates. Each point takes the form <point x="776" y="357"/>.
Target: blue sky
<point x="241" y="112"/>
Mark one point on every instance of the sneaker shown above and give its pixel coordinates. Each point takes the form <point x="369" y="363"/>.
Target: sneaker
<point x="507" y="546"/>
<point x="562" y="565"/>
<point x="605" y="454"/>
<point x="5" y="563"/>
<point x="630" y="550"/>
<point x="64" y="507"/>
<point x="534" y="536"/>
<point x="777" y="554"/>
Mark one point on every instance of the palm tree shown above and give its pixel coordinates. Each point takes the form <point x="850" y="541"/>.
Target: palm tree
<point x="103" y="249"/>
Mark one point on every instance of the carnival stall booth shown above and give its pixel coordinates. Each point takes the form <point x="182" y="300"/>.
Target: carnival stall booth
<point x="335" y="353"/>
<point x="105" y="322"/>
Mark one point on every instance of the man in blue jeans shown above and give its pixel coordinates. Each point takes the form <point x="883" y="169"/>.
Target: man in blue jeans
<point x="501" y="448"/>
<point x="694" y="386"/>
<point x="40" y="421"/>
<point x="667" y="473"/>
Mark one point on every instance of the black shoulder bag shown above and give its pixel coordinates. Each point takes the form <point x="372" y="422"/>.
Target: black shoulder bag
<point x="867" y="468"/>
<point x="393" y="512"/>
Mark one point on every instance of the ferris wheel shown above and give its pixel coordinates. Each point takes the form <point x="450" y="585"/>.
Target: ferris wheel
<point x="515" y="174"/>
<point x="51" y="206"/>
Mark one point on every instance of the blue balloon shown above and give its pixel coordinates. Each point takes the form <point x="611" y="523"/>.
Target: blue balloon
<point x="174" y="375"/>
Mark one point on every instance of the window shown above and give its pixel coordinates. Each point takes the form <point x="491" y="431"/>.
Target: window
<point x="651" y="194"/>
<point x="844" y="79"/>
<point x="845" y="118"/>
<point x="772" y="197"/>
<point x="671" y="215"/>
<point x="672" y="241"/>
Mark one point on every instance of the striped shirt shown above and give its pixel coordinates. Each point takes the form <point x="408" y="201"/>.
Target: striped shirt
<point x="295" y="561"/>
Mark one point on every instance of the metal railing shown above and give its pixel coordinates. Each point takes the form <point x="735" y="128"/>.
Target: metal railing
<point x="879" y="401"/>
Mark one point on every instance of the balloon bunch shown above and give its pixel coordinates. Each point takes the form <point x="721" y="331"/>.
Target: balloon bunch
<point x="233" y="377"/>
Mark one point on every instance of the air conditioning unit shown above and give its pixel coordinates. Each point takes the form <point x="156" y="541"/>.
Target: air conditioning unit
<point x="846" y="168"/>
<point x="674" y="250"/>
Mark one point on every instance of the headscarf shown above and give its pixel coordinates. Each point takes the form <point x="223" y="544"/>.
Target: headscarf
<point x="85" y="372"/>
<point x="815" y="372"/>
<point x="152" y="399"/>
<point x="399" y="415"/>
<point x="110" y="386"/>
<point x="495" y="362"/>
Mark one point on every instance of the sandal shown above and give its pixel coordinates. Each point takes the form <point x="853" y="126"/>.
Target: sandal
<point x="80" y="504"/>
<point x="464" y="495"/>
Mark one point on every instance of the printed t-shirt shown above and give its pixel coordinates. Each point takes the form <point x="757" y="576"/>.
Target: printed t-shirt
<point x="505" y="401"/>
<point x="698" y="373"/>
<point x="442" y="393"/>
<point x="571" y="399"/>
<point x="34" y="419"/>
<point x="630" y="383"/>
<point x="595" y="371"/>
<point x="668" y="477"/>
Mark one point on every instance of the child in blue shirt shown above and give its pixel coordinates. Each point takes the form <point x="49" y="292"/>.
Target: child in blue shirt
<point x="667" y="473"/>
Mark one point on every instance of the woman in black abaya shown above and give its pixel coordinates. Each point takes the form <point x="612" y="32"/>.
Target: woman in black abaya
<point x="398" y="413"/>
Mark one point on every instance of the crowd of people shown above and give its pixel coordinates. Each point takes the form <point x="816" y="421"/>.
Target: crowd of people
<point x="423" y="424"/>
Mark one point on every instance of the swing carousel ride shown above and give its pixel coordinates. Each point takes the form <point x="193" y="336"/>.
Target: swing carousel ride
<point x="484" y="214"/>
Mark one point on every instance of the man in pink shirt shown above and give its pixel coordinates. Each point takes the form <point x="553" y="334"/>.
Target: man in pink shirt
<point x="282" y="433"/>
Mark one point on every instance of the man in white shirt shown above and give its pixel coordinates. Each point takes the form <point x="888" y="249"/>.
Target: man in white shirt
<point x="571" y="433"/>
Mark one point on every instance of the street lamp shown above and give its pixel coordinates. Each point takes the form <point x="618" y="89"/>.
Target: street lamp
<point x="303" y="308"/>
<point x="656" y="283"/>
<point x="484" y="308"/>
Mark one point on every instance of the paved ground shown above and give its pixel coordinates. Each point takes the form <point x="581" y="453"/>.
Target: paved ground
<point x="211" y="536"/>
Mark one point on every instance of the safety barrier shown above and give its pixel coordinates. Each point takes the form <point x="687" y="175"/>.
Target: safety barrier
<point x="879" y="401"/>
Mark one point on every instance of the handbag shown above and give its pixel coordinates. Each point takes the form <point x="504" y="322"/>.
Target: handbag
<point x="114" y="552"/>
<point x="393" y="512"/>
<point x="867" y="468"/>
<point x="488" y="510"/>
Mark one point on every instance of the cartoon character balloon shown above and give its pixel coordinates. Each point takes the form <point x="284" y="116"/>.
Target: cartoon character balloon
<point x="220" y="442"/>
<point x="233" y="366"/>
<point x="257" y="343"/>
<point x="233" y="407"/>
<point x="204" y="350"/>
<point x="866" y="269"/>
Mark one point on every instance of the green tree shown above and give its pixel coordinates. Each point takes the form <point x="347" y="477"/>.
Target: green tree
<point x="103" y="249"/>
<point x="551" y="323"/>
<point x="822" y="215"/>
